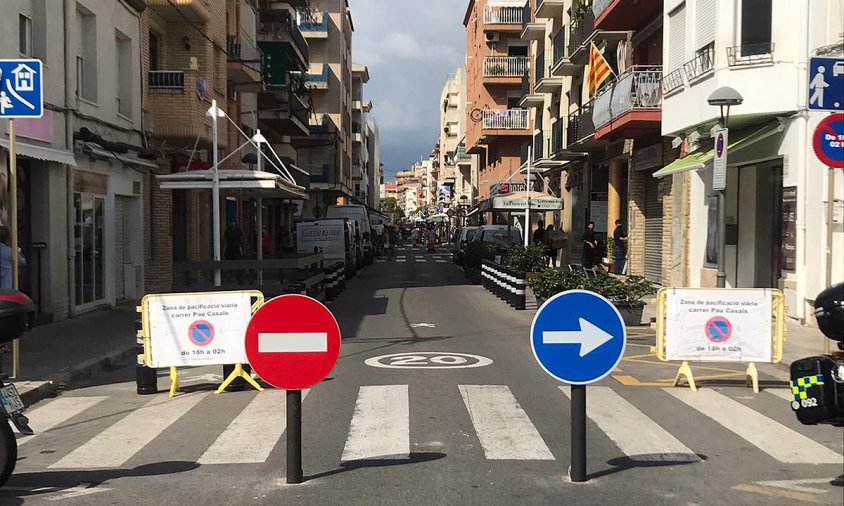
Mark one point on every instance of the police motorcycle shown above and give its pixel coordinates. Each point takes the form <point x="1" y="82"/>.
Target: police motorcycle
<point x="16" y="312"/>
<point x="817" y="383"/>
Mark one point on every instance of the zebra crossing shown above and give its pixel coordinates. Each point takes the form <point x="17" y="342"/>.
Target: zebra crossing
<point x="381" y="427"/>
<point x="416" y="258"/>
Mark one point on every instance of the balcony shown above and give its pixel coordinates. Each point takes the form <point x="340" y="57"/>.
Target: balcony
<point x="750" y="54"/>
<point x="179" y="11"/>
<point x="631" y="106"/>
<point x="531" y="28"/>
<point x="562" y="65"/>
<point x="243" y="61"/>
<point x="505" y="69"/>
<point x="549" y="8"/>
<point x="283" y="113"/>
<point x="580" y="127"/>
<point x="463" y="158"/>
<point x="505" y="121"/>
<point x="580" y="33"/>
<point x="177" y="109"/>
<point x="315" y="28"/>
<point x="501" y="18"/>
<point x="357" y="132"/>
<point x="530" y="99"/>
<point x="545" y="82"/>
<point x="702" y="64"/>
<point x="281" y="27"/>
<point x="317" y="80"/>
<point x="624" y="14"/>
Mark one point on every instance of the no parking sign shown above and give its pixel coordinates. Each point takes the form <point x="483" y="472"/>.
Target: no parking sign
<point x="828" y="141"/>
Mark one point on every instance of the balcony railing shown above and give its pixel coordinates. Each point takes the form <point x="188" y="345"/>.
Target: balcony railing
<point x="527" y="15"/>
<point x="750" y="54"/>
<point x="556" y="137"/>
<point x="284" y="27"/>
<point x="166" y="80"/>
<point x="240" y="49"/>
<point x="539" y="146"/>
<point x="598" y="6"/>
<point x="539" y="68"/>
<point x="505" y="66"/>
<point x="580" y="125"/>
<point x="581" y="30"/>
<point x="638" y="88"/>
<point x="319" y="23"/>
<point x="526" y="89"/>
<point x="322" y="77"/>
<point x="559" y="45"/>
<point x="523" y="153"/>
<point x="502" y="15"/>
<point x="701" y="64"/>
<point x="672" y="80"/>
<point x="505" y="119"/>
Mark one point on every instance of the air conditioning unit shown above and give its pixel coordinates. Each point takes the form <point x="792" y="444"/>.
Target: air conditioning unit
<point x="492" y="36"/>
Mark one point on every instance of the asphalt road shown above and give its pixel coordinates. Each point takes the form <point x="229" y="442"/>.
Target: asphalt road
<point x="435" y="432"/>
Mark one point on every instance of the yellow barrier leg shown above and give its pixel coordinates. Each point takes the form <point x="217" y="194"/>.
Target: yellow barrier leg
<point x="238" y="372"/>
<point x="174" y="381"/>
<point x="752" y="377"/>
<point x="685" y="370"/>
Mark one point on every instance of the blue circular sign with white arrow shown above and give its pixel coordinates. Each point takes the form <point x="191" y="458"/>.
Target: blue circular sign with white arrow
<point x="578" y="337"/>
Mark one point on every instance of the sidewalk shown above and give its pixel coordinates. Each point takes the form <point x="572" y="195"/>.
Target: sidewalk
<point x="55" y="355"/>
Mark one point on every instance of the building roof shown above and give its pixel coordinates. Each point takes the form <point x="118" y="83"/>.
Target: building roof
<point x="361" y="70"/>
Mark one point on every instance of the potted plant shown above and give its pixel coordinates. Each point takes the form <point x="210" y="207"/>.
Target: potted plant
<point x="474" y="255"/>
<point x="531" y="260"/>
<point x="550" y="282"/>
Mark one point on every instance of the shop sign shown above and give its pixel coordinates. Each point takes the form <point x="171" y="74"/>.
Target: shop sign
<point x="598" y="211"/>
<point x="508" y="187"/>
<point x="647" y="158"/>
<point x="788" y="247"/>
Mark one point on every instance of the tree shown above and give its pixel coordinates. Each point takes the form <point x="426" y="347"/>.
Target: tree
<point x="389" y="205"/>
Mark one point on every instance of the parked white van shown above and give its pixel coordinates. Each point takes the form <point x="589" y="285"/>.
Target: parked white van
<point x="335" y="238"/>
<point x="359" y="214"/>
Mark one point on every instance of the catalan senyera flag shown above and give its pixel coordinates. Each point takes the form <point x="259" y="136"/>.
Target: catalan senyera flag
<point x="599" y="69"/>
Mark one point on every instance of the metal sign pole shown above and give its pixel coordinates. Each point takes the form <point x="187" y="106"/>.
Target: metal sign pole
<point x="13" y="217"/>
<point x="294" y="437"/>
<point x="527" y="205"/>
<point x="215" y="194"/>
<point x="577" y="472"/>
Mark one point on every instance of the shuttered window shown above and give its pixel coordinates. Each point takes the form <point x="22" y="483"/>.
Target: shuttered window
<point x="677" y="37"/>
<point x="653" y="230"/>
<point x="704" y="23"/>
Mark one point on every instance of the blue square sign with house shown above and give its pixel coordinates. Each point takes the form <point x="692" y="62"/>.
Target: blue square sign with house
<point x="826" y="84"/>
<point x="21" y="89"/>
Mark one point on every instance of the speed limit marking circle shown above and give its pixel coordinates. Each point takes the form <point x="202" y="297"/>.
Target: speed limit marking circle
<point x="428" y="360"/>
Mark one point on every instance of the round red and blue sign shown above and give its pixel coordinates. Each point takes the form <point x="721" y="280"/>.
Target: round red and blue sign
<point x="201" y="333"/>
<point x="828" y="141"/>
<point x="719" y="145"/>
<point x="718" y="329"/>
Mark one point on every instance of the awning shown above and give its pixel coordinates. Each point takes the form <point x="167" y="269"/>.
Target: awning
<point x="36" y="152"/>
<point x="439" y="217"/>
<point x="265" y="184"/>
<point x="737" y="140"/>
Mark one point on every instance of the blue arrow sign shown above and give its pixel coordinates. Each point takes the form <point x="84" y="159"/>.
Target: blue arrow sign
<point x="826" y="84"/>
<point x="578" y="337"/>
<point x="21" y="89"/>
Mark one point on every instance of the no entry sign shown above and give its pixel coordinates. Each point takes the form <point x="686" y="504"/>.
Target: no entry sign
<point x="292" y="342"/>
<point x="828" y="141"/>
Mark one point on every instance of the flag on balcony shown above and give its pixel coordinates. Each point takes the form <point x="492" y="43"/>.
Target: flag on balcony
<point x="599" y="69"/>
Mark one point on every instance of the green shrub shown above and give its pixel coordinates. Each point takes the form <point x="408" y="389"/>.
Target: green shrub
<point x="476" y="252"/>
<point x="621" y="292"/>
<point x="530" y="259"/>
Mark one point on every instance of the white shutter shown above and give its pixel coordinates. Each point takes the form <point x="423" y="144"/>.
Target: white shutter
<point x="704" y="23"/>
<point x="677" y="37"/>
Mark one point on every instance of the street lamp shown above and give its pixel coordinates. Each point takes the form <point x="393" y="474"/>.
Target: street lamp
<point x="723" y="98"/>
<point x="215" y="113"/>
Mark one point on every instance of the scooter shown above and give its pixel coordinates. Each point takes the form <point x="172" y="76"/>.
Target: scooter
<point x="16" y="312"/>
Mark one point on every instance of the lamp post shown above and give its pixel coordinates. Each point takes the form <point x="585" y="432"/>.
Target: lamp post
<point x="259" y="139"/>
<point x="723" y="98"/>
<point x="215" y="113"/>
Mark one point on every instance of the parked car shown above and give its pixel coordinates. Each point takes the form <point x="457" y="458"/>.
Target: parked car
<point x="462" y="236"/>
<point x="502" y="236"/>
<point x="360" y="215"/>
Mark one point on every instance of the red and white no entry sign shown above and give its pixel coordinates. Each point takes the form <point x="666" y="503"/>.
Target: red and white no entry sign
<point x="293" y="342"/>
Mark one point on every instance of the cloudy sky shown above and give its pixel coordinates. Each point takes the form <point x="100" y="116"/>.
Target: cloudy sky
<point x="410" y="47"/>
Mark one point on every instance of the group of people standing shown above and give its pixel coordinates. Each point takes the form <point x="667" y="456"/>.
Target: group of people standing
<point x="592" y="253"/>
<point x="551" y="238"/>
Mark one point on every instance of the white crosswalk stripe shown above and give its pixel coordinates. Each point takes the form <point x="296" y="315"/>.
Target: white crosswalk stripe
<point x="639" y="437"/>
<point x="52" y="414"/>
<point x="503" y="428"/>
<point x="117" y="444"/>
<point x="240" y="443"/>
<point x="773" y="438"/>
<point x="380" y="427"/>
<point x="782" y="393"/>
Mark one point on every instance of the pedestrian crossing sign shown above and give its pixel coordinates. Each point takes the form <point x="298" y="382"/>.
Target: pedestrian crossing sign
<point x="21" y="89"/>
<point x="799" y="386"/>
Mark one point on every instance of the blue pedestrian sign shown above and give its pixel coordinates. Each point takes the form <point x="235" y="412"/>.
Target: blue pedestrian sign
<point x="578" y="337"/>
<point x="826" y="84"/>
<point x="21" y="89"/>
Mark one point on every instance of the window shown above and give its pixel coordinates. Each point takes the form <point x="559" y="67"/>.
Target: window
<point x="80" y="74"/>
<point x="153" y="51"/>
<point x="517" y="50"/>
<point x="86" y="75"/>
<point x="677" y="37"/>
<point x="25" y="35"/>
<point x="755" y="27"/>
<point x="123" y="45"/>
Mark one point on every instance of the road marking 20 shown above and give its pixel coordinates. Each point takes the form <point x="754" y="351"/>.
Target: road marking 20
<point x="428" y="360"/>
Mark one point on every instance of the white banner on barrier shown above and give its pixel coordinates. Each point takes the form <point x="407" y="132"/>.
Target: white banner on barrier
<point x="720" y="325"/>
<point x="198" y="329"/>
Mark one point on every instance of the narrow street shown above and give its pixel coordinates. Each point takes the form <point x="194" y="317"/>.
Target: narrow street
<point x="467" y="418"/>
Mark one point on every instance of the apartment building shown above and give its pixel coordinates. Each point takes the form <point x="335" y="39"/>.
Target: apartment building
<point x="496" y="59"/>
<point x="327" y="153"/>
<point x="374" y="167"/>
<point x="777" y="234"/>
<point x="458" y="173"/>
<point x="85" y="159"/>
<point x="360" y="133"/>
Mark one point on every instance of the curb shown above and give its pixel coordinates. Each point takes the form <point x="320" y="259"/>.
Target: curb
<point x="58" y="382"/>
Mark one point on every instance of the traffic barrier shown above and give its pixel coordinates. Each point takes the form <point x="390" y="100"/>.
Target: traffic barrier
<point x="146" y="378"/>
<point x="520" y="286"/>
<point x="505" y="283"/>
<point x="745" y="325"/>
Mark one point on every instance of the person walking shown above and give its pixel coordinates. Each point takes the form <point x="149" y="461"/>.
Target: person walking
<point x="550" y="250"/>
<point x="619" y="243"/>
<point x="590" y="246"/>
<point x="539" y="233"/>
<point x="6" y="257"/>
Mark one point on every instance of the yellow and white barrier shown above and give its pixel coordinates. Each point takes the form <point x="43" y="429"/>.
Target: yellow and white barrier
<point x="745" y="325"/>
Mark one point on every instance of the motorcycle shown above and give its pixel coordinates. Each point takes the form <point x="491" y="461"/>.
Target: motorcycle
<point x="817" y="383"/>
<point x="16" y="312"/>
